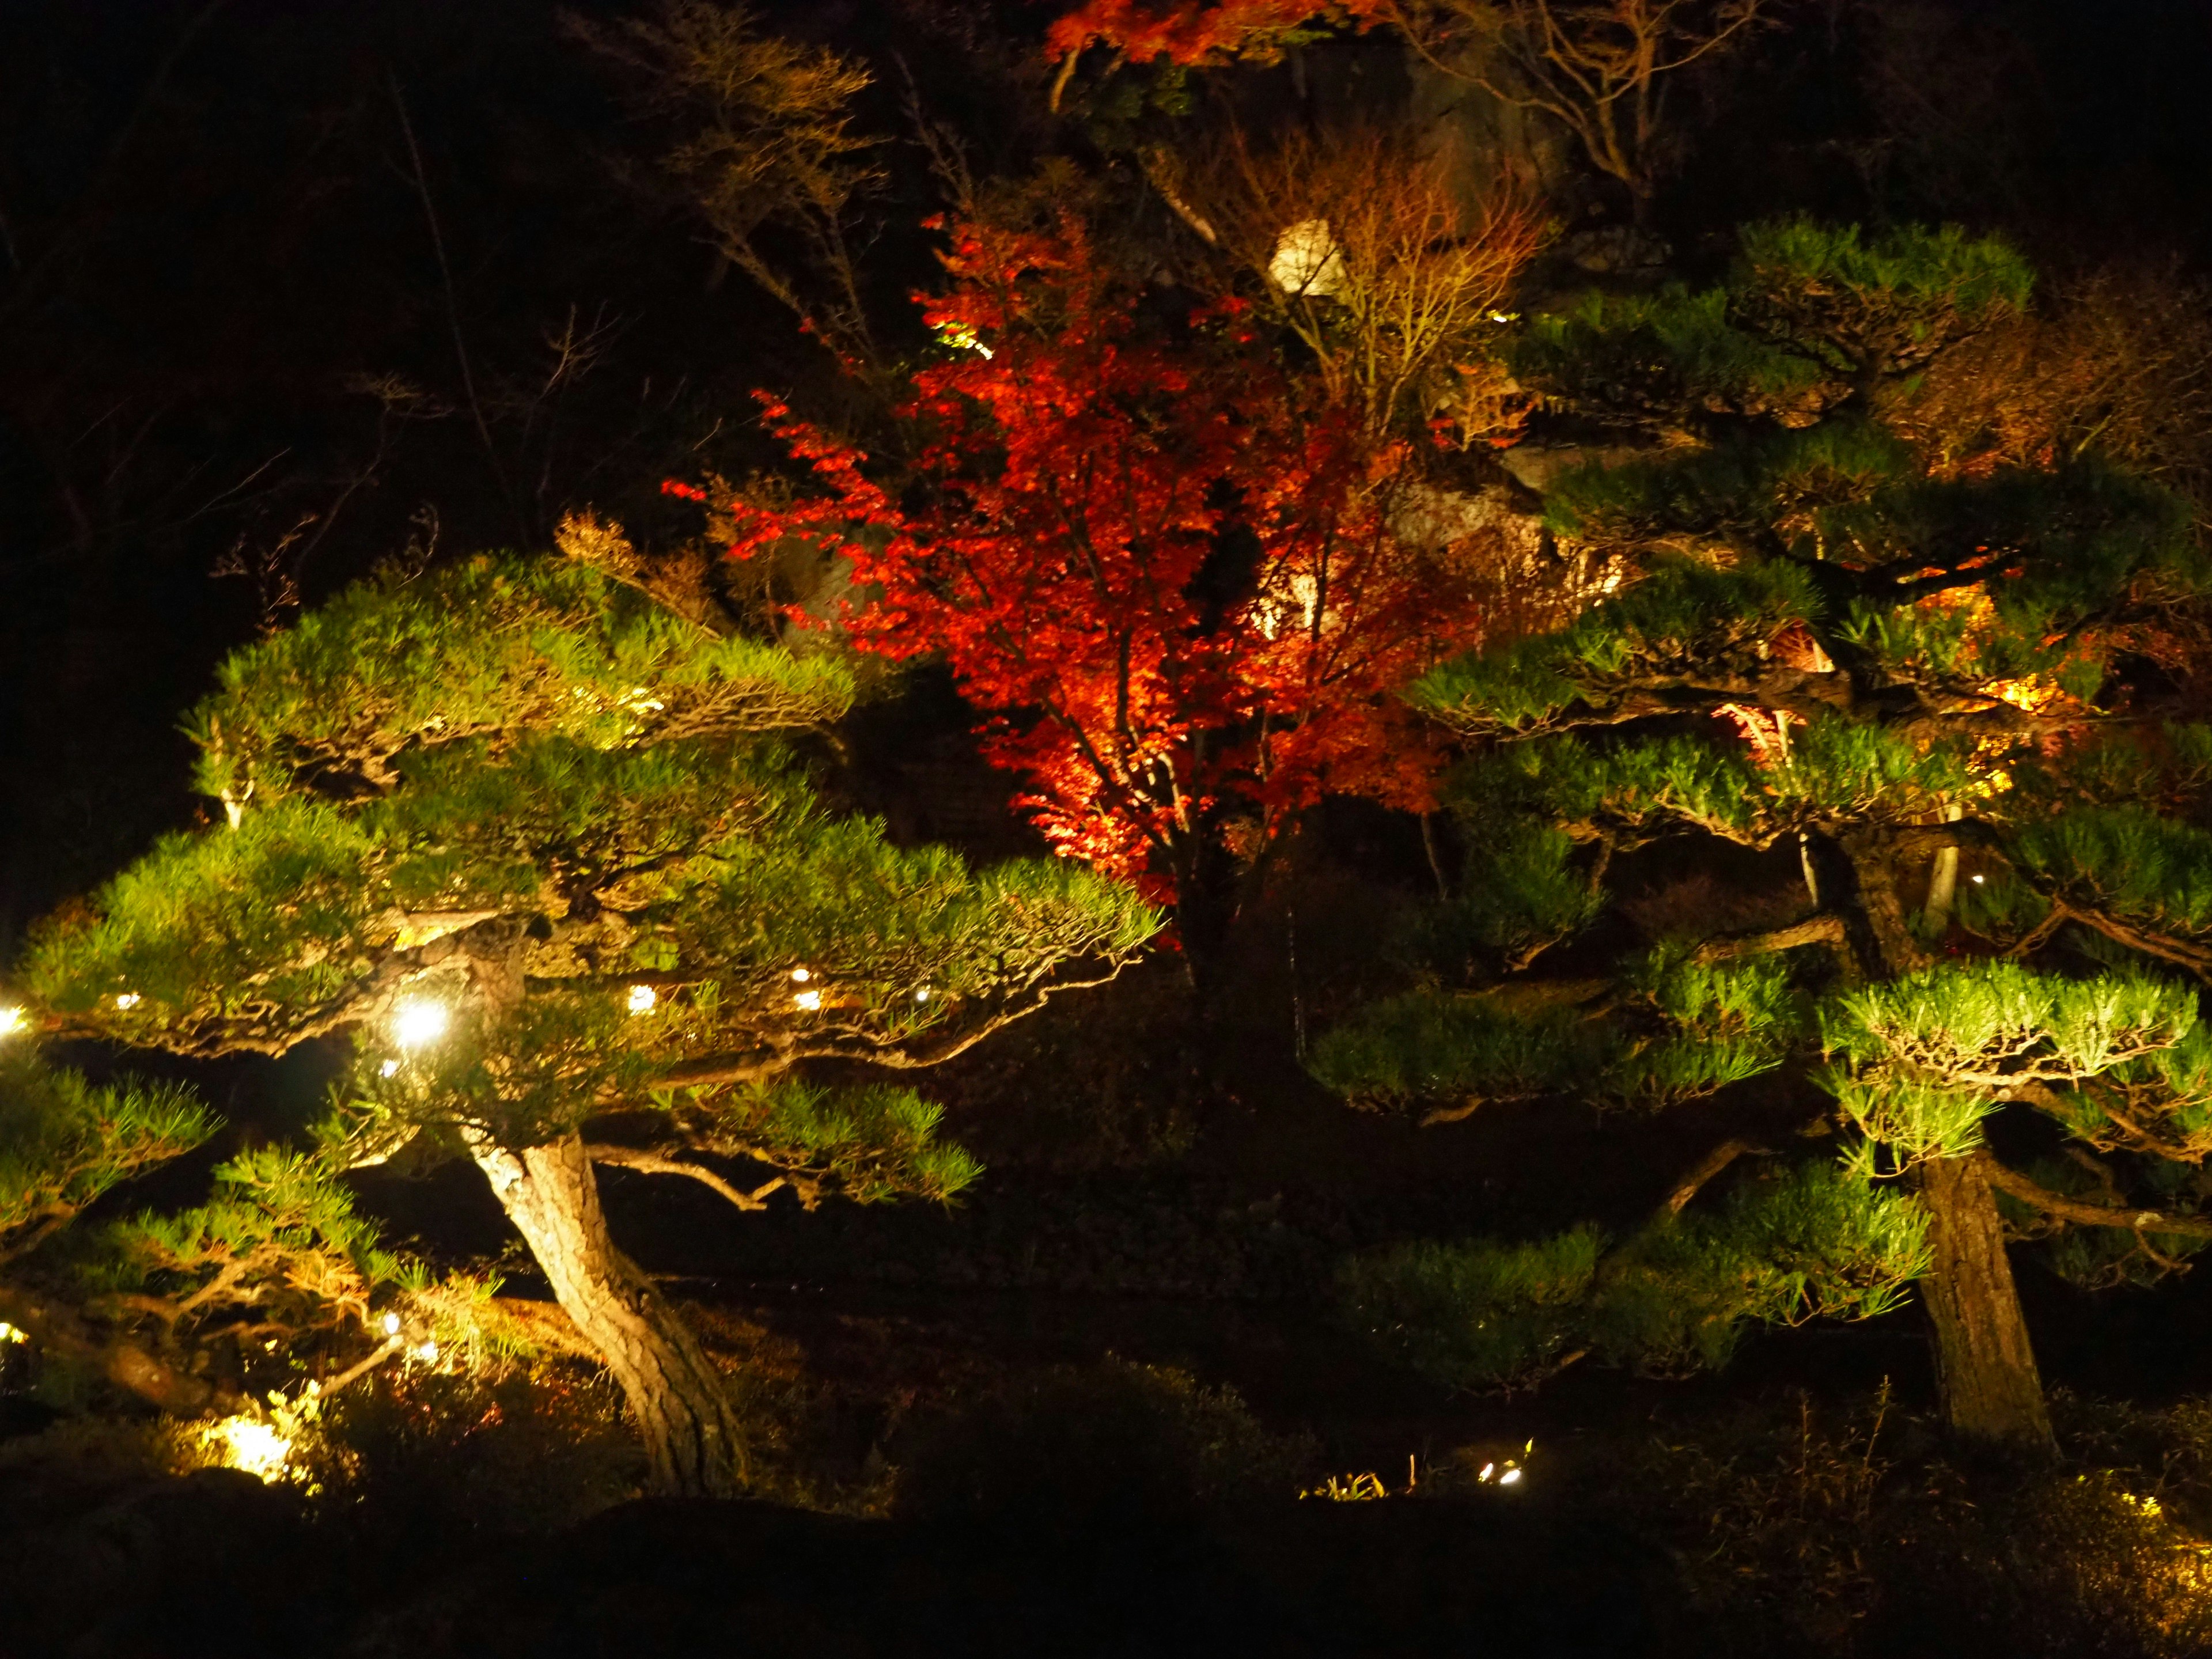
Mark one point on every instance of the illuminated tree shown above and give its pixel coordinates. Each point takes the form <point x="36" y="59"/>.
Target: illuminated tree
<point x="1602" y="69"/>
<point x="524" y="833"/>
<point x="1876" y="661"/>
<point x="1176" y="582"/>
<point x="1356" y="242"/>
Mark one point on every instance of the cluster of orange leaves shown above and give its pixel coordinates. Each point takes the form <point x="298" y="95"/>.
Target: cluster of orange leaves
<point x="1164" y="572"/>
<point x="1194" y="34"/>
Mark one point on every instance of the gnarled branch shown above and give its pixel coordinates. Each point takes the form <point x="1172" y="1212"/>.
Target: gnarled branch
<point x="2016" y="1185"/>
<point x="651" y="1162"/>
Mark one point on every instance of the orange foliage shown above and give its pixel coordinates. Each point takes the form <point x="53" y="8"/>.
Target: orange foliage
<point x="1188" y="33"/>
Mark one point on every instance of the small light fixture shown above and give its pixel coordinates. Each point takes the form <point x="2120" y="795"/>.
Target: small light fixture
<point x="428" y="1353"/>
<point x="922" y="995"/>
<point x="809" y="1000"/>
<point x="390" y="1069"/>
<point x="419" y="1021"/>
<point x="392" y="1324"/>
<point x="799" y="976"/>
<point x="641" y="999"/>
<point x="1508" y="1477"/>
<point x="127" y="999"/>
<point x="1980" y="879"/>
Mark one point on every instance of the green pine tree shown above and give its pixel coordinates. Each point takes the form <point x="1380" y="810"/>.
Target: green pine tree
<point x="1820" y="643"/>
<point x="532" y="837"/>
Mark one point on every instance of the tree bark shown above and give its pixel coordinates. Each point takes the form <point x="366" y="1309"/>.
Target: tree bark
<point x="694" y="1444"/>
<point x="1985" y="1365"/>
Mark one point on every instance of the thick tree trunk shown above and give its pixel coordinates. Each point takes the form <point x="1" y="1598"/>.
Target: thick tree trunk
<point x="694" y="1444"/>
<point x="1990" y="1388"/>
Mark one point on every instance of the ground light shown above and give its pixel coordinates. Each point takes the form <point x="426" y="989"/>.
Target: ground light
<point x="249" y="1444"/>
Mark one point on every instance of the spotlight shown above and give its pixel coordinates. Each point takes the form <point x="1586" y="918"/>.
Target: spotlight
<point x="419" y="1021"/>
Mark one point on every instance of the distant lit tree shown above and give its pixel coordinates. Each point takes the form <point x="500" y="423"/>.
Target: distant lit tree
<point x="529" y="835"/>
<point x="1604" y="69"/>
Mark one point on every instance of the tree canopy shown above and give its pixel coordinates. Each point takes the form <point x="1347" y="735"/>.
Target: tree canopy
<point x="537" y="844"/>
<point x="1825" y="640"/>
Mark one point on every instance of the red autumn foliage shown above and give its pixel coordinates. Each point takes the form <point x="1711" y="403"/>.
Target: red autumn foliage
<point x="1145" y="30"/>
<point x="1167" y="576"/>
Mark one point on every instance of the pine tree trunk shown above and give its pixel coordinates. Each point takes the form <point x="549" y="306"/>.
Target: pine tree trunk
<point x="1992" y="1389"/>
<point x="694" y="1444"/>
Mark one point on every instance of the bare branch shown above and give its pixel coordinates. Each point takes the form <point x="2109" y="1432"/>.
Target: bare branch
<point x="1702" y="1172"/>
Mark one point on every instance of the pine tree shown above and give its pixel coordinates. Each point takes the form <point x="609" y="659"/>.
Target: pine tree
<point x="534" y="837"/>
<point x="1881" y="666"/>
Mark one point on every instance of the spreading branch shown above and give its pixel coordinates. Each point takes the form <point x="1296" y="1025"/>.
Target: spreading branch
<point x="2085" y="1214"/>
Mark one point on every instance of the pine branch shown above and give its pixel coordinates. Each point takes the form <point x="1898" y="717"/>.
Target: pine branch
<point x="1826" y="929"/>
<point x="1704" y="1171"/>
<point x="652" y="1163"/>
<point x="2013" y="1184"/>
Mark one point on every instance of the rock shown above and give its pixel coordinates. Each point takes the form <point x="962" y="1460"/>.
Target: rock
<point x="213" y="1561"/>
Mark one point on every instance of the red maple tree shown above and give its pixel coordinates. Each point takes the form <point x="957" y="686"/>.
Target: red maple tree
<point x="1165" y="573"/>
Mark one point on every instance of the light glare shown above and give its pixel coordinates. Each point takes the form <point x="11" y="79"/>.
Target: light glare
<point x="392" y="1324"/>
<point x="419" y="1021"/>
<point x="809" y="1000"/>
<point x="128" y="998"/>
<point x="249" y="1443"/>
<point x="12" y="1020"/>
<point x="641" y="999"/>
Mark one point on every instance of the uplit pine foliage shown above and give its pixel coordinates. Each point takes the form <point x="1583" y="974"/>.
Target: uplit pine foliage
<point x="279" y="1237"/>
<point x="1437" y="1048"/>
<point x="1888" y="660"/>
<point x="1677" y="1297"/>
<point x="600" y="773"/>
<point x="1681" y="1030"/>
<point x="870" y="1143"/>
<point x="64" y="1141"/>
<point x="534" y="834"/>
<point x="547" y="648"/>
